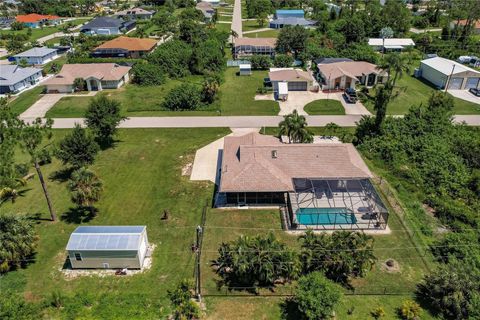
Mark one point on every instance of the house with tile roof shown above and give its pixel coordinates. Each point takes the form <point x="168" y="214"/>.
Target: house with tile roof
<point x="346" y="74"/>
<point x="36" y="56"/>
<point x="97" y="76"/>
<point x="323" y="184"/>
<point x="135" y="14"/>
<point x="207" y="10"/>
<point x="14" y="79"/>
<point x="125" y="47"/>
<point x="34" y="20"/>
<point x="244" y="47"/>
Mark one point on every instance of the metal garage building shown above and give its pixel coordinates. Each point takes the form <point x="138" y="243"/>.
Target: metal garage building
<point x="108" y="247"/>
<point x="447" y="73"/>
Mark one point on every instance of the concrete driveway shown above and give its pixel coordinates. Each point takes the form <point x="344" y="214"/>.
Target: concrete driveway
<point x="209" y="158"/>
<point x="237" y="18"/>
<point x="40" y="108"/>
<point x="465" y="95"/>
<point x="351" y="108"/>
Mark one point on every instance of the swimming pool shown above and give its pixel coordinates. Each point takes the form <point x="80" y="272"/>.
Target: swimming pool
<point x="325" y="216"/>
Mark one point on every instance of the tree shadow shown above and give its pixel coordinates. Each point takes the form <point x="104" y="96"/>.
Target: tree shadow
<point x="108" y="143"/>
<point x="61" y="175"/>
<point x="290" y="310"/>
<point x="38" y="217"/>
<point x="79" y="215"/>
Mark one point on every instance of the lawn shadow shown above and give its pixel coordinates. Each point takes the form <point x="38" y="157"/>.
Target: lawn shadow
<point x="38" y="217"/>
<point x="108" y="144"/>
<point x="61" y="175"/>
<point x="290" y="310"/>
<point x="79" y="215"/>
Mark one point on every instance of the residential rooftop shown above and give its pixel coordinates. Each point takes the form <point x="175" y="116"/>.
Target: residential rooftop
<point x="267" y="42"/>
<point x="351" y="69"/>
<point x="11" y="74"/>
<point x="447" y="67"/>
<point x="130" y="44"/>
<point x="36" y="52"/>
<point x="101" y="71"/>
<point x="34" y="17"/>
<point x="289" y="74"/>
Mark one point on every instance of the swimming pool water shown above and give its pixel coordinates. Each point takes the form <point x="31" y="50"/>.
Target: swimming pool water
<point x="325" y="216"/>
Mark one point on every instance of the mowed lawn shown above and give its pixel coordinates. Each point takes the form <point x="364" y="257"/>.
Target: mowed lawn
<point x="324" y="107"/>
<point x="45" y="31"/>
<point x="272" y="33"/>
<point x="236" y="97"/>
<point x="414" y="91"/>
<point x="142" y="177"/>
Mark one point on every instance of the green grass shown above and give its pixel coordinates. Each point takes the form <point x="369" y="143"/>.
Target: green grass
<point x="53" y="41"/>
<point x="25" y="100"/>
<point x="250" y="25"/>
<point x="141" y="177"/>
<point x="236" y="97"/>
<point x="226" y="27"/>
<point x="414" y="91"/>
<point x="42" y="32"/>
<point x="272" y="33"/>
<point x="326" y="106"/>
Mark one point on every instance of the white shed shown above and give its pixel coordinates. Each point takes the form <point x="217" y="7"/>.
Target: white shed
<point x="108" y="247"/>
<point x="245" y="69"/>
<point x="447" y="73"/>
<point x="282" y="91"/>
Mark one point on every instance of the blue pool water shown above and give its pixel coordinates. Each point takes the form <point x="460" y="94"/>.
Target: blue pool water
<point x="325" y="216"/>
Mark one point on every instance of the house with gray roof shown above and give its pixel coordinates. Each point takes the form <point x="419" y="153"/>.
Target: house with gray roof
<point x="290" y="18"/>
<point x="135" y="13"/>
<point x="14" y="79"/>
<point x="107" y="26"/>
<point x="36" y="56"/>
<point x="108" y="247"/>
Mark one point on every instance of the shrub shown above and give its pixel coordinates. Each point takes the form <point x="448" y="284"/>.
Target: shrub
<point x="148" y="74"/>
<point x="211" y="85"/>
<point x="378" y="313"/>
<point x="316" y="296"/>
<point x="17" y="241"/>
<point x="260" y="62"/>
<point x="78" y="148"/>
<point x="79" y="84"/>
<point x="283" y="61"/>
<point x="173" y="57"/>
<point x="410" y="310"/>
<point x="17" y="25"/>
<point x="186" y="96"/>
<point x="181" y="299"/>
<point x="103" y="117"/>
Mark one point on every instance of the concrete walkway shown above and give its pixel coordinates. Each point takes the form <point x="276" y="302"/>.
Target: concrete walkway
<point x="258" y="30"/>
<point x="237" y="18"/>
<point x="209" y="158"/>
<point x="236" y="121"/>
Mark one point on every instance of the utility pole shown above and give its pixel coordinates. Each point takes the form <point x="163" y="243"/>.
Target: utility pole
<point x="449" y="78"/>
<point x="198" y="289"/>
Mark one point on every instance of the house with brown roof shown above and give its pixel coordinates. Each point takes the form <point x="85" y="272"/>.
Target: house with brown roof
<point x="325" y="185"/>
<point x="476" y="25"/>
<point x="244" y="47"/>
<point x="34" y="20"/>
<point x="97" y="76"/>
<point x="346" y="74"/>
<point x="125" y="47"/>
<point x="289" y="79"/>
<point x="135" y="13"/>
<point x="207" y="10"/>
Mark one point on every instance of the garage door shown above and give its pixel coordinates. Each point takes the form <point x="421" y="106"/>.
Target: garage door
<point x="297" y="86"/>
<point x="455" y="83"/>
<point x="472" y="83"/>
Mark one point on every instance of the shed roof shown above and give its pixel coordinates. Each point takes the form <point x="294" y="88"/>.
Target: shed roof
<point x="106" y="238"/>
<point x="36" y="52"/>
<point x="446" y="66"/>
<point x="134" y="11"/>
<point x="248" y="165"/>
<point x="11" y="74"/>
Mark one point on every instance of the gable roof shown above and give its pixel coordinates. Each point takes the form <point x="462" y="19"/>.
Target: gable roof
<point x="352" y="69"/>
<point x="101" y="71"/>
<point x="130" y="44"/>
<point x="204" y="6"/>
<point x="36" y="52"/>
<point x="248" y="166"/>
<point x="289" y="75"/>
<point x="446" y="66"/>
<point x="256" y="42"/>
<point x="11" y="74"/>
<point x="292" y="21"/>
<point x="134" y="11"/>
<point x="86" y="238"/>
<point x="331" y="60"/>
<point x="103" y="22"/>
<point x="34" y="17"/>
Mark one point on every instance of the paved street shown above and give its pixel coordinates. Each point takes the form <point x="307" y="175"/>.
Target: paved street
<point x="235" y="122"/>
<point x="237" y="18"/>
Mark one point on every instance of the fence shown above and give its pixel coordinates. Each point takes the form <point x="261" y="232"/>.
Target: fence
<point x="236" y="63"/>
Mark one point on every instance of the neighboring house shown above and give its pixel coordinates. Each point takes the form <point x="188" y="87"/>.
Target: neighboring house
<point x="34" y="20"/>
<point x="36" y="56"/>
<point x="333" y="7"/>
<point x="5" y="22"/>
<point x="244" y="47"/>
<point x="14" y="78"/>
<point x="331" y="60"/>
<point x="125" y="47"/>
<point x="107" y="26"/>
<point x="98" y="76"/>
<point x="443" y="73"/>
<point x="135" y="13"/>
<point x="476" y="25"/>
<point x="289" y="79"/>
<point x="390" y="44"/>
<point x="290" y="18"/>
<point x="108" y="247"/>
<point x="214" y="3"/>
<point x="207" y="10"/>
<point x="322" y="185"/>
<point x="346" y="74"/>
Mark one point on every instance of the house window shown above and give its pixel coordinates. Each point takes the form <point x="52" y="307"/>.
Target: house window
<point x="78" y="257"/>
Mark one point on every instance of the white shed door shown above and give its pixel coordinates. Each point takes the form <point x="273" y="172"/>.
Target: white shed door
<point x="455" y="83"/>
<point x="472" y="83"/>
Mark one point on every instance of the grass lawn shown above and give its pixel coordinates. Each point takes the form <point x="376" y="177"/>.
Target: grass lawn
<point x="142" y="177"/>
<point x="250" y="25"/>
<point x="53" y="41"/>
<point x="324" y="106"/>
<point x="226" y="27"/>
<point x="416" y="92"/>
<point x="272" y="33"/>
<point x="25" y="100"/>
<point x="236" y="97"/>
<point x="42" y="32"/>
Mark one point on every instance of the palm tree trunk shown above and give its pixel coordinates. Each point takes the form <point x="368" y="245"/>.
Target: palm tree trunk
<point x="45" y="191"/>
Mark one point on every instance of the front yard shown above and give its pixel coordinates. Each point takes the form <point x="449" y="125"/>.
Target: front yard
<point x="324" y="107"/>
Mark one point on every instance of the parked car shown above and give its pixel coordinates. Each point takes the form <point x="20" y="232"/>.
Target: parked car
<point x="351" y="95"/>
<point x="475" y="92"/>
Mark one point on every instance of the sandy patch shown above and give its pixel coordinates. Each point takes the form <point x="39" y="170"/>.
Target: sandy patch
<point x="391" y="266"/>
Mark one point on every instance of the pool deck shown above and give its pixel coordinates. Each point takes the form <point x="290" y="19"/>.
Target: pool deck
<point x="377" y="232"/>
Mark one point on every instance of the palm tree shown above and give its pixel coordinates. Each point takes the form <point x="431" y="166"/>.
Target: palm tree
<point x="397" y="64"/>
<point x="295" y="127"/>
<point x="85" y="188"/>
<point x="234" y="34"/>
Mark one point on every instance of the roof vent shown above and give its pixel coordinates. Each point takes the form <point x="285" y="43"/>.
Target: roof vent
<point x="274" y="154"/>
